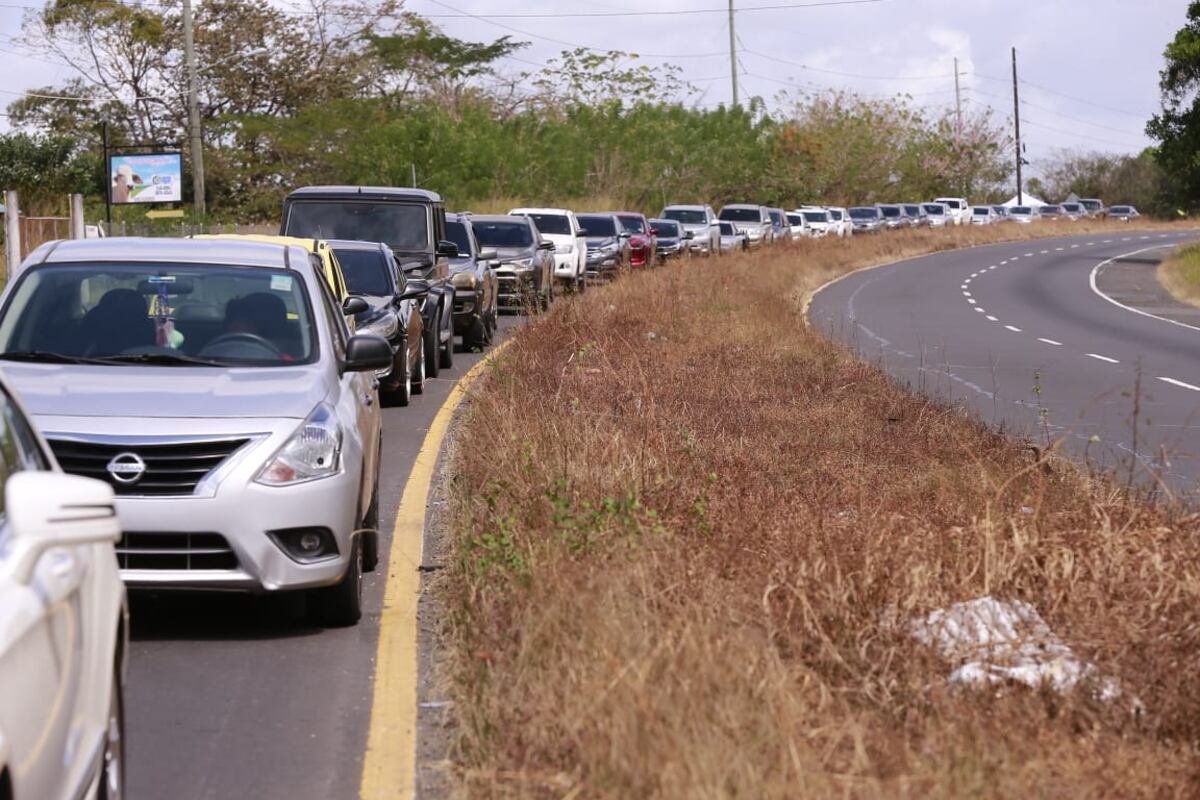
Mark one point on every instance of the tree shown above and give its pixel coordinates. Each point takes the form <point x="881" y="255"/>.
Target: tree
<point x="43" y="169"/>
<point x="1177" y="127"/>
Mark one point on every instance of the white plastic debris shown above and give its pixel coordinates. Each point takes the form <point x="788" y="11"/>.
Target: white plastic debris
<point x="990" y="641"/>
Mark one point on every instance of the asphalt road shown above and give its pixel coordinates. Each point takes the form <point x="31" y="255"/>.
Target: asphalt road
<point x="233" y="696"/>
<point x="1017" y="333"/>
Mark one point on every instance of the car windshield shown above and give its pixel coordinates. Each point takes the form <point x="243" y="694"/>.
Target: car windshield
<point x="741" y="214"/>
<point x="1121" y="209"/>
<point x="890" y="211"/>
<point x="979" y="211"/>
<point x="816" y="216"/>
<point x="598" y="226"/>
<point x="402" y="226"/>
<point x="633" y="224"/>
<point x="169" y="314"/>
<point x="1073" y="208"/>
<point x="776" y="218"/>
<point x="666" y="228"/>
<point x="1021" y="210"/>
<point x="1091" y="204"/>
<point x="913" y="211"/>
<point x="835" y="214"/>
<point x="688" y="216"/>
<point x="457" y="232"/>
<point x="864" y="213"/>
<point x="1050" y="209"/>
<point x="502" y="234"/>
<point x="366" y="271"/>
<point x="796" y="219"/>
<point x="552" y="223"/>
<point x="955" y="204"/>
<point x="727" y="229"/>
<point x="935" y="210"/>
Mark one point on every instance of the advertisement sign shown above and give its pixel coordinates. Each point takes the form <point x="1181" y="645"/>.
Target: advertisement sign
<point x="146" y="178"/>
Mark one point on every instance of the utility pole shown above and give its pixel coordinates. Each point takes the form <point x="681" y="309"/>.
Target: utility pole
<point x="1017" y="124"/>
<point x="733" y="55"/>
<point x="957" y="105"/>
<point x="189" y="60"/>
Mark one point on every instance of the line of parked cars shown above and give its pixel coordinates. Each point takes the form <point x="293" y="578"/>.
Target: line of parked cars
<point x="204" y="413"/>
<point x="950" y="211"/>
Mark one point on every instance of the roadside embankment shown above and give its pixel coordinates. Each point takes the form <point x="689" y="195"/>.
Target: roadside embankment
<point x="1180" y="274"/>
<point x="692" y="536"/>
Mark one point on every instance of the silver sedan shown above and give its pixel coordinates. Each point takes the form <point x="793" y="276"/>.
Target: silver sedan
<point x="215" y="386"/>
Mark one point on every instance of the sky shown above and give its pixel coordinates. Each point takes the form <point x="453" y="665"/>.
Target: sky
<point x="1088" y="68"/>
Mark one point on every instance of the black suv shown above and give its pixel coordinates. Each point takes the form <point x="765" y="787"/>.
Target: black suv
<point x="412" y="222"/>
<point x="474" y="282"/>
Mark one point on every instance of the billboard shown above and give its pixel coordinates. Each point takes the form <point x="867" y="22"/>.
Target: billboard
<point x="146" y="178"/>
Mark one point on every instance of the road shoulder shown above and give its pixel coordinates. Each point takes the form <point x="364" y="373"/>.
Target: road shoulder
<point x="1133" y="281"/>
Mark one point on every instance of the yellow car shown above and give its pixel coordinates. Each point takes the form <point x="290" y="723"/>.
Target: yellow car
<point x="330" y="268"/>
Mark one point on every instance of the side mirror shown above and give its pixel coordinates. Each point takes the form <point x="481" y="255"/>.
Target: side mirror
<point x="582" y="232"/>
<point x="544" y="245"/>
<point x="353" y="306"/>
<point x="413" y="290"/>
<point x="447" y="249"/>
<point x="489" y="254"/>
<point x="623" y="235"/>
<point x="689" y="235"/>
<point x="50" y="509"/>
<point x="367" y="353"/>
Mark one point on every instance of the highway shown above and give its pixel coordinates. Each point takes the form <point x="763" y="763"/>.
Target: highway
<point x="234" y="696"/>
<point x="1050" y="339"/>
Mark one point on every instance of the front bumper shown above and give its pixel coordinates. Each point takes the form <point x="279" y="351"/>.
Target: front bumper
<point x="514" y="288"/>
<point x="468" y="306"/>
<point x="566" y="266"/>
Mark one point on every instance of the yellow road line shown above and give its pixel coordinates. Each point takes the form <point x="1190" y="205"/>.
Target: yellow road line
<point x="389" y="767"/>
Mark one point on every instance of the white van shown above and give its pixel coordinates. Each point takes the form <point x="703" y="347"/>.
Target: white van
<point x="958" y="207"/>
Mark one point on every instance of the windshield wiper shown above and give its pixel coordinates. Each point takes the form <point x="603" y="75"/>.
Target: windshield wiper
<point x="48" y="357"/>
<point x="158" y="358"/>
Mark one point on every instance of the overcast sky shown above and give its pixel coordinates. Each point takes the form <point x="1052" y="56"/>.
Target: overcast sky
<point x="1091" y="66"/>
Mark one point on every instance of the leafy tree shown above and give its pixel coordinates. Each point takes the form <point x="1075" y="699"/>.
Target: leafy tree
<point x="1177" y="127"/>
<point x="42" y="169"/>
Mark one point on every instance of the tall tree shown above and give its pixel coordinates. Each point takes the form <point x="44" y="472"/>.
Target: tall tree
<point x="1177" y="127"/>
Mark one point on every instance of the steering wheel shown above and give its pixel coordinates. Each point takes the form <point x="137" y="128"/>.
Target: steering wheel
<point x="251" y="339"/>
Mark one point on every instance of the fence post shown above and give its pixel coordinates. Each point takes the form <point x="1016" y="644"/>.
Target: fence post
<point x="12" y="232"/>
<point x="77" y="231"/>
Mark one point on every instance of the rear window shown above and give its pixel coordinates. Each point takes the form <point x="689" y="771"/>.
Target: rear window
<point x="633" y="224"/>
<point x="502" y="234"/>
<point x="741" y="214"/>
<point x="366" y="271"/>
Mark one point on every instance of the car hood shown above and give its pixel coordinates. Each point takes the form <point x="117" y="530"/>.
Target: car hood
<point x="559" y="238"/>
<point x="510" y="253"/>
<point x="377" y="304"/>
<point x="178" y="392"/>
<point x="602" y="241"/>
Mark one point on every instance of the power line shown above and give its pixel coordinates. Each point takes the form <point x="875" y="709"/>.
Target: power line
<point x="824" y="71"/>
<point x="672" y="13"/>
<point x="1073" y="98"/>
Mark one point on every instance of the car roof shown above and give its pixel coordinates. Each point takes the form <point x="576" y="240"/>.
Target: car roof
<point x="232" y="252"/>
<point x="366" y="192"/>
<point x="596" y="214"/>
<point x="685" y="207"/>
<point x="355" y="244"/>
<point x="743" y="205"/>
<point x="629" y="214"/>
<point x="497" y="218"/>
<point x="525" y="210"/>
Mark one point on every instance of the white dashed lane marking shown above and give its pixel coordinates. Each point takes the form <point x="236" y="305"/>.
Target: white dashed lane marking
<point x="1181" y="384"/>
<point x="1103" y="358"/>
<point x="1051" y="341"/>
<point x="993" y="319"/>
<point x="1013" y="328"/>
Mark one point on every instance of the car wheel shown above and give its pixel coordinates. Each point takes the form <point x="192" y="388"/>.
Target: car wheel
<point x="400" y="395"/>
<point x="340" y="605"/>
<point x="446" y="352"/>
<point x="429" y="340"/>
<point x="112" y="768"/>
<point x="476" y="337"/>
<point x="370" y="531"/>
<point x="417" y="375"/>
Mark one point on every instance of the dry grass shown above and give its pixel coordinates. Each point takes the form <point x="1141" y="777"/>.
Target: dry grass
<point x="687" y="526"/>
<point x="1180" y="274"/>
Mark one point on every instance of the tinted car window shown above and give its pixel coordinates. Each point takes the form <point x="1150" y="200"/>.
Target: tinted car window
<point x="457" y="232"/>
<point x="503" y="234"/>
<point x="816" y="216"/>
<point x="835" y="214"/>
<point x="727" y="229"/>
<point x="740" y="214"/>
<point x="796" y="219"/>
<point x="687" y="216"/>
<point x="667" y="228"/>
<point x="598" y="225"/>
<point x="864" y="213"/>
<point x="403" y="226"/>
<point x="229" y="315"/>
<point x="366" y="271"/>
<point x="552" y="223"/>
<point x="890" y="211"/>
<point x="633" y="224"/>
<point x="935" y="210"/>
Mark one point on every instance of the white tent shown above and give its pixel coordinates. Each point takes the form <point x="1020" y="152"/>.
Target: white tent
<point x="1030" y="200"/>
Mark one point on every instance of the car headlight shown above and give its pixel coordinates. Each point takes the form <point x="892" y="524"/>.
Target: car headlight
<point x="519" y="263"/>
<point x="312" y="452"/>
<point x="464" y="280"/>
<point x="385" y="327"/>
<point x="564" y="249"/>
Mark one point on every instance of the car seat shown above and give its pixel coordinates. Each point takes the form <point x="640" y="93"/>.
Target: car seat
<point x="119" y="322"/>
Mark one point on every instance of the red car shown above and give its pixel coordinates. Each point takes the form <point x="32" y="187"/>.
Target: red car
<point x="643" y="244"/>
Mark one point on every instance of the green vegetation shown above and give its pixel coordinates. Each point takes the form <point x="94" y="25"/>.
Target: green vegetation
<point x="1180" y="274"/>
<point x="1177" y="128"/>
<point x="382" y="95"/>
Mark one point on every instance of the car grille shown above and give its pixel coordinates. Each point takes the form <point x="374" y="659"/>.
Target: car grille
<point x="171" y="469"/>
<point x="175" y="551"/>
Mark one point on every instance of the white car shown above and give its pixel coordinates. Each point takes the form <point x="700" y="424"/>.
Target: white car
<point x="561" y="227"/>
<point x="797" y="225"/>
<point x="703" y="224"/>
<point x="816" y="219"/>
<point x="960" y="209"/>
<point x="938" y="215"/>
<point x="840" y="223"/>
<point x="1023" y="214"/>
<point x="984" y="215"/>
<point x="63" y="626"/>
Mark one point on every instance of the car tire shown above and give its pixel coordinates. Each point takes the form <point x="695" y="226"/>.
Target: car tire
<point x="401" y="395"/>
<point x="340" y="605"/>
<point x="445" y="352"/>
<point x="476" y="337"/>
<point x="416" y="377"/>
<point x="112" y="765"/>
<point x="429" y="340"/>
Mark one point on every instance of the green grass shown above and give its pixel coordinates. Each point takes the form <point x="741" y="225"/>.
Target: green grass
<point x="1180" y="274"/>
